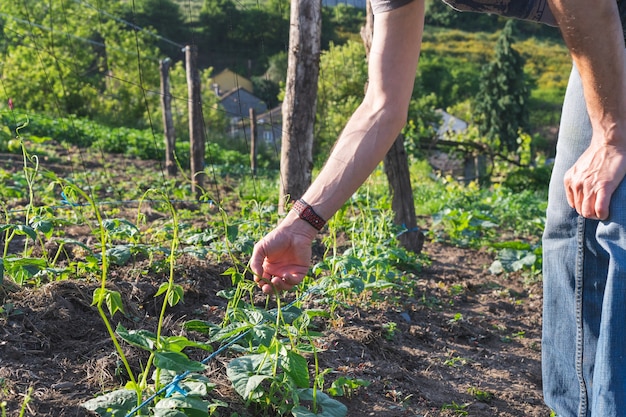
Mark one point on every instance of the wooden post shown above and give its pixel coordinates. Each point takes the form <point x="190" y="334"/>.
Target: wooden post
<point x="196" y="126"/>
<point x="168" y="122"/>
<point x="299" y="105"/>
<point x="253" y="141"/>
<point x="397" y="169"/>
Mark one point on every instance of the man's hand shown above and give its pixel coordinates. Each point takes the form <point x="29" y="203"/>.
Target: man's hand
<point x="591" y="181"/>
<point x="281" y="259"/>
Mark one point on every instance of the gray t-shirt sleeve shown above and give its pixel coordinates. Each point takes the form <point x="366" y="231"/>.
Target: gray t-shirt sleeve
<point x="379" y="6"/>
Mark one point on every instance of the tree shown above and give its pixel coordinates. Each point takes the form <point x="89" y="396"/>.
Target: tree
<point x="502" y="100"/>
<point x="343" y="74"/>
<point x="296" y="163"/>
<point x="165" y="17"/>
<point x="72" y="59"/>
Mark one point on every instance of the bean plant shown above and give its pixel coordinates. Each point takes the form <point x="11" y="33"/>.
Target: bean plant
<point x="274" y="346"/>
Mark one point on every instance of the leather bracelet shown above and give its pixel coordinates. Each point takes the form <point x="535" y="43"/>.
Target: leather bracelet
<point x="306" y="213"/>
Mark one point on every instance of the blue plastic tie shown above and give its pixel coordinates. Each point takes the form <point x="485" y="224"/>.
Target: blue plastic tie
<point x="65" y="201"/>
<point x="174" y="387"/>
<point x="406" y="230"/>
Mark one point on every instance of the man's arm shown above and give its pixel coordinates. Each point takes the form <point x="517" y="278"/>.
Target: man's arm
<point x="282" y="258"/>
<point x="593" y="33"/>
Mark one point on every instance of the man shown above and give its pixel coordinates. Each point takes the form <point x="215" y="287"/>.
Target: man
<point x="584" y="346"/>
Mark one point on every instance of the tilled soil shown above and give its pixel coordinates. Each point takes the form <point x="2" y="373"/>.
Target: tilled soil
<point x="466" y="341"/>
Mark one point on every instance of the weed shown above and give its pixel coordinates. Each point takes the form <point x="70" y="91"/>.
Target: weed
<point x="457" y="317"/>
<point x="389" y="330"/>
<point x="344" y="386"/>
<point x="459" y="409"/>
<point x="480" y="395"/>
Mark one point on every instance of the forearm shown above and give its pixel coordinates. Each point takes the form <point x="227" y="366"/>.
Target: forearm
<point x="363" y="144"/>
<point x="375" y="125"/>
<point x="593" y="33"/>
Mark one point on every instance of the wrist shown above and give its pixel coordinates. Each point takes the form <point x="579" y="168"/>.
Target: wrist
<point x="609" y="134"/>
<point x="306" y="213"/>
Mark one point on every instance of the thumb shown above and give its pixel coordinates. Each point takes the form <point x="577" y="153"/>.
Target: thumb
<point x="257" y="259"/>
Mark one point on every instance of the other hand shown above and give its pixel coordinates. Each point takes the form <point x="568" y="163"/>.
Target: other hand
<point x="591" y="181"/>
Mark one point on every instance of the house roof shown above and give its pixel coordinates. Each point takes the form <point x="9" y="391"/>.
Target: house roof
<point x="273" y="116"/>
<point x="239" y="101"/>
<point x="450" y="124"/>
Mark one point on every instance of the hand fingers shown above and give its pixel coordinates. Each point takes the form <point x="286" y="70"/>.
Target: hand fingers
<point x="284" y="283"/>
<point x="603" y="199"/>
<point x="589" y="202"/>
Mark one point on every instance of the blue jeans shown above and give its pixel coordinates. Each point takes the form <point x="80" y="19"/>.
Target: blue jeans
<point x="584" y="318"/>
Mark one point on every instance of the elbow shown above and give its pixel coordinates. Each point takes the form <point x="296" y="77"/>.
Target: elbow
<point x="392" y="114"/>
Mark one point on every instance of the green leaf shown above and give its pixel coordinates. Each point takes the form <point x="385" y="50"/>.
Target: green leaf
<point x="112" y="299"/>
<point x="22" y="269"/>
<point x="22" y="229"/>
<point x="511" y="245"/>
<point x="326" y="406"/>
<point x="192" y="406"/>
<point x="514" y="260"/>
<point x="178" y="343"/>
<point x="291" y="313"/>
<point x="67" y="241"/>
<point x="162" y="289"/>
<point x="119" y="255"/>
<point x="43" y="226"/>
<point x="263" y="334"/>
<point x="343" y="384"/>
<point x="351" y="282"/>
<point x="196" y="252"/>
<point x="120" y="228"/>
<point x="174" y="296"/>
<point x="247" y="373"/>
<point x="194" y="384"/>
<point x="113" y="404"/>
<point x="297" y="368"/>
<point x="496" y="267"/>
<point x="1" y="271"/>
<point x="176" y="361"/>
<point x="168" y="412"/>
<point x="380" y="285"/>
<point x="232" y="232"/>
<point x="142" y="339"/>
<point x="202" y="326"/>
<point x="230" y="330"/>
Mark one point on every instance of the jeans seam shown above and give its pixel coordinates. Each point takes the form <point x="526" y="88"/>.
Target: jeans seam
<point x="580" y="255"/>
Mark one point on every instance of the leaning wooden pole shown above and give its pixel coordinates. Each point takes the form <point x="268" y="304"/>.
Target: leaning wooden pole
<point x="253" y="141"/>
<point x="196" y="125"/>
<point x="168" y="121"/>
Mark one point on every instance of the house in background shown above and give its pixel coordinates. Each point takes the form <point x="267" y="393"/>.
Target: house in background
<point x="238" y="102"/>
<point x="270" y="126"/>
<point x="449" y="124"/>
<point x="443" y="160"/>
<point x="228" y="80"/>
